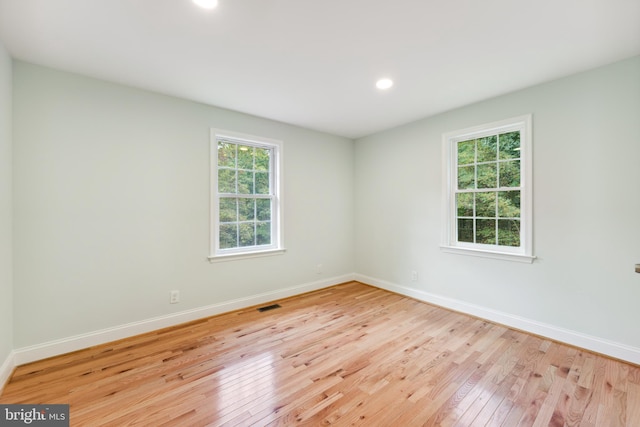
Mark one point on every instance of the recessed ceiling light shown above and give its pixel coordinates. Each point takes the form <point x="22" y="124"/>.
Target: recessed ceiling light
<point x="206" y="4"/>
<point x="384" y="83"/>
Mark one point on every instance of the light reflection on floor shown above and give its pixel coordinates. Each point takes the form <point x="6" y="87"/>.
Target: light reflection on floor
<point x="244" y="381"/>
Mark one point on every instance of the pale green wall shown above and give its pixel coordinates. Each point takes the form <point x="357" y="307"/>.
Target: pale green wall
<point x="112" y="206"/>
<point x="6" y="207"/>
<point x="586" y="145"/>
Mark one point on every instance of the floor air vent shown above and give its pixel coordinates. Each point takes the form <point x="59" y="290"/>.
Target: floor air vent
<point x="269" y="307"/>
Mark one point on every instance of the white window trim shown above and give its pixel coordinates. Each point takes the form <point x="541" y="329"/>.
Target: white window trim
<point x="277" y="246"/>
<point x="524" y="253"/>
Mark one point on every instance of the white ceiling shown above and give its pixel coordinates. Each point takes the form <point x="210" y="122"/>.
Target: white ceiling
<point x="314" y="63"/>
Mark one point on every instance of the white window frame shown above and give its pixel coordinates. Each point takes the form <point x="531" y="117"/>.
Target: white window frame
<point x="523" y="253"/>
<point x="277" y="236"/>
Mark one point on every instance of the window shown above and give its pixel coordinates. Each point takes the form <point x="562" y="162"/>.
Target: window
<point x="487" y="195"/>
<point x="246" y="196"/>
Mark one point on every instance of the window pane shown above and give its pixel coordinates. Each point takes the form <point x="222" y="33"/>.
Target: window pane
<point x="487" y="195"/>
<point x="263" y="209"/>
<point x="510" y="173"/>
<point x="487" y="149"/>
<point x="246" y="209"/>
<point x="227" y="181"/>
<point x="262" y="159"/>
<point x="487" y="176"/>
<point x="245" y="157"/>
<point x="509" y="232"/>
<point x="262" y="183"/>
<point x="263" y="233"/>
<point x="486" y="204"/>
<point x="509" y="204"/>
<point x="245" y="182"/>
<point x="466" y="177"/>
<point x="486" y="231"/>
<point x="247" y="234"/>
<point x="465" y="230"/>
<point x="464" y="204"/>
<point x="466" y="152"/>
<point x="509" y="145"/>
<point x="228" y="236"/>
<point x="228" y="212"/>
<point x="226" y="154"/>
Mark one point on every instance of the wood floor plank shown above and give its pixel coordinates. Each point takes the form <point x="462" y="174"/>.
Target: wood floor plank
<point x="346" y="355"/>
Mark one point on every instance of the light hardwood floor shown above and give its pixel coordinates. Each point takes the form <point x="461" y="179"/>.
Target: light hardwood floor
<point x="346" y="355"/>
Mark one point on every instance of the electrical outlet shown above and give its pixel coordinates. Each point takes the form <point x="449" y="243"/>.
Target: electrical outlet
<point x="174" y="297"/>
<point x="319" y="269"/>
<point x="414" y="276"/>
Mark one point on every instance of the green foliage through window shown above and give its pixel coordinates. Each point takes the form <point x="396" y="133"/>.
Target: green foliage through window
<point x="488" y="190"/>
<point x="245" y="196"/>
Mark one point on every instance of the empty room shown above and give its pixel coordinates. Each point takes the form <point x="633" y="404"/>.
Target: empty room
<point x="295" y="212"/>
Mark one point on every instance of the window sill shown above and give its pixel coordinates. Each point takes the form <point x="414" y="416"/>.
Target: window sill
<point x="489" y="254"/>
<point x="245" y="255"/>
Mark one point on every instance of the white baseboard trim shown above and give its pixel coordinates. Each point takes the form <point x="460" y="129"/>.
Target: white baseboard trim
<point x="78" y="342"/>
<point x="6" y="369"/>
<point x="54" y="348"/>
<point x="577" y="339"/>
